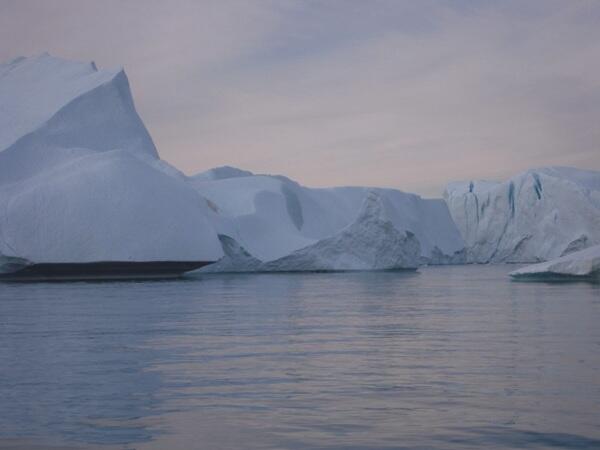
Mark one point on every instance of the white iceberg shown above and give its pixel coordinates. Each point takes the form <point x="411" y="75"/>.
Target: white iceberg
<point x="577" y="265"/>
<point x="371" y="242"/>
<point x="536" y="216"/>
<point x="278" y="223"/>
<point x="80" y="179"/>
<point x="81" y="182"/>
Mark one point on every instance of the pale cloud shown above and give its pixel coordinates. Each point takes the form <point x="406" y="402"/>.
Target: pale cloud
<point x="402" y="94"/>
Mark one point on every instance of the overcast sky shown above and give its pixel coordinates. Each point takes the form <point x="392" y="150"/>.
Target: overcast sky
<point x="405" y="94"/>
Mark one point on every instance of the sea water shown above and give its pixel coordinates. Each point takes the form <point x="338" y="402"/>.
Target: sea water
<point x="443" y="358"/>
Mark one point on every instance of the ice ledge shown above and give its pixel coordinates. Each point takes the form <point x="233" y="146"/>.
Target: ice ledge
<point x="581" y="264"/>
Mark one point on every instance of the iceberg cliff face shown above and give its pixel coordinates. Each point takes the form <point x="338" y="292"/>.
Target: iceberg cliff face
<point x="80" y="179"/>
<point x="535" y="216"/>
<point x="581" y="264"/>
<point x="272" y="217"/>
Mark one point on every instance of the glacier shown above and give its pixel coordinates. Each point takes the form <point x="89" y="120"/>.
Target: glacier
<point x="583" y="264"/>
<point x="536" y="216"/>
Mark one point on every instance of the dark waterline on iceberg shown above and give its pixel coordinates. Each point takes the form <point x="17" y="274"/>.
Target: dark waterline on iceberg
<point x="102" y="270"/>
<point x="445" y="358"/>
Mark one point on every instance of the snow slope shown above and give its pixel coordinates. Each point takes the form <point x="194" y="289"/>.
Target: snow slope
<point x="535" y="216"/>
<point x="271" y="217"/>
<point x="584" y="263"/>
<point x="80" y="179"/>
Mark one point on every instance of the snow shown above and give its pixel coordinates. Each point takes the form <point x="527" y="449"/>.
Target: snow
<point x="80" y="179"/>
<point x="271" y="217"/>
<point x="536" y="216"/>
<point x="584" y="263"/>
<point x="371" y="242"/>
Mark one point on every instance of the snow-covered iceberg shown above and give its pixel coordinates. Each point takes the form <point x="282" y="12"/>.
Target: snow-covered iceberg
<point x="273" y="223"/>
<point x="536" y="216"/>
<point x="80" y="179"/>
<point x="577" y="265"/>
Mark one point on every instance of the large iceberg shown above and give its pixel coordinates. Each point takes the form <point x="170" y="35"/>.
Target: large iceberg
<point x="80" y="179"/>
<point x="536" y="216"/>
<point x="577" y="265"/>
<point x="81" y="182"/>
<point x="273" y="223"/>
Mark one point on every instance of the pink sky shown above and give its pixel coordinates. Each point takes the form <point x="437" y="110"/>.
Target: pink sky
<point x="390" y="93"/>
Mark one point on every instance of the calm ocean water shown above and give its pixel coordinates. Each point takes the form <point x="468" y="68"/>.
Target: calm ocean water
<point x="446" y="358"/>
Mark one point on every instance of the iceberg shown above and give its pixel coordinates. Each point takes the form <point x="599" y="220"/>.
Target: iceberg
<point x="583" y="264"/>
<point x="80" y="178"/>
<point x="536" y="216"/>
<point x="273" y="223"/>
<point x="371" y="242"/>
<point x="81" y="182"/>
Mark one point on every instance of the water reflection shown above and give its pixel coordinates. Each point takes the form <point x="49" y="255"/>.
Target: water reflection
<point x="74" y="364"/>
<point x="450" y="357"/>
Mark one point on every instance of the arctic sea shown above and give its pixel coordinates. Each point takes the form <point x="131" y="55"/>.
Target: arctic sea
<point x="443" y="358"/>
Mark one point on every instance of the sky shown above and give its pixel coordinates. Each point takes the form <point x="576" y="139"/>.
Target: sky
<point x="403" y="94"/>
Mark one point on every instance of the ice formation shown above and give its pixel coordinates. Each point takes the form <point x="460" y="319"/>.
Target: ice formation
<point x="581" y="264"/>
<point x="276" y="223"/>
<point x="371" y="242"/>
<point x="536" y="216"/>
<point x="80" y="179"/>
